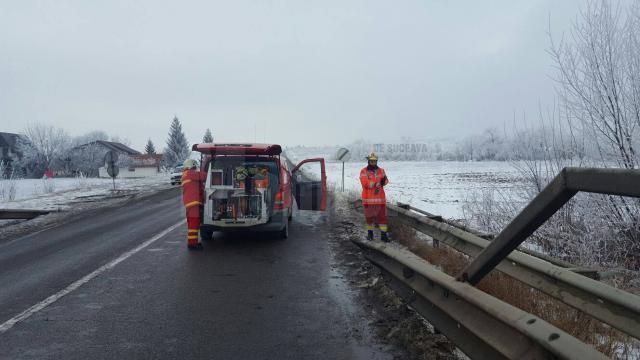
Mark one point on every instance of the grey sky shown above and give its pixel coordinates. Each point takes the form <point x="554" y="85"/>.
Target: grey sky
<point x="300" y="72"/>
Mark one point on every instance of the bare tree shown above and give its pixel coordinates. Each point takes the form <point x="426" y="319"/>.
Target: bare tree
<point x="86" y="159"/>
<point x="598" y="71"/>
<point x="595" y="122"/>
<point x="42" y="147"/>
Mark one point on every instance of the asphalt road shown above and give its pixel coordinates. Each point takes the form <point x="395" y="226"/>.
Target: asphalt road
<point x="247" y="296"/>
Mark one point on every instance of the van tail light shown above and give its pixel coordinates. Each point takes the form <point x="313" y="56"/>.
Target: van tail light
<point x="278" y="203"/>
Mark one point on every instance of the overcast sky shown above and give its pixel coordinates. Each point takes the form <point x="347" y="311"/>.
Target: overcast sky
<point x="292" y="72"/>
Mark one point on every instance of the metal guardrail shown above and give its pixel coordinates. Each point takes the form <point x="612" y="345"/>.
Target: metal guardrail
<point x="485" y="327"/>
<point x="605" y="303"/>
<point x="482" y="326"/>
<point x="489" y="236"/>
<point x="561" y="189"/>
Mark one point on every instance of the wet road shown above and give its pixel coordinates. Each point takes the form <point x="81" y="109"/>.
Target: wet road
<point x="121" y="284"/>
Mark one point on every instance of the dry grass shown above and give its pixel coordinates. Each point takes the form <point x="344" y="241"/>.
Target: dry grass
<point x="580" y="325"/>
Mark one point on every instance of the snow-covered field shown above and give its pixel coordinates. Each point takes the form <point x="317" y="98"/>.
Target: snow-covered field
<point x="61" y="193"/>
<point x="440" y="187"/>
<point x="436" y="186"/>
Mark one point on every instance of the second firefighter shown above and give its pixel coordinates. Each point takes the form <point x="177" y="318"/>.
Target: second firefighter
<point x="373" y="180"/>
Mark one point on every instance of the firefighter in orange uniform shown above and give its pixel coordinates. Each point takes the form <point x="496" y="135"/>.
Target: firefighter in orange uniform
<point x="373" y="180"/>
<point x="192" y="197"/>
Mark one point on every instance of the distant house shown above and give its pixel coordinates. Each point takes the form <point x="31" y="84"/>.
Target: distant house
<point x="121" y="149"/>
<point x="89" y="158"/>
<point x="138" y="166"/>
<point x="9" y="147"/>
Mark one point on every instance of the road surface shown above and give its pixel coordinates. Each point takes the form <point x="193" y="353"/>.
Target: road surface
<point x="119" y="283"/>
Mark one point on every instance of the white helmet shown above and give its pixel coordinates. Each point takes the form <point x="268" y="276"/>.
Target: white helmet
<point x="190" y="164"/>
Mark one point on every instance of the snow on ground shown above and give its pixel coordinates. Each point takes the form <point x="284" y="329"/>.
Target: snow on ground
<point x="62" y="193"/>
<point x="439" y="187"/>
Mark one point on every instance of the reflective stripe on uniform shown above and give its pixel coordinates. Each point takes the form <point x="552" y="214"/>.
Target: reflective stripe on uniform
<point x="383" y="227"/>
<point x="193" y="203"/>
<point x="185" y="182"/>
<point x="370" y="227"/>
<point x="192" y="237"/>
<point x="374" y="201"/>
<point x="193" y="231"/>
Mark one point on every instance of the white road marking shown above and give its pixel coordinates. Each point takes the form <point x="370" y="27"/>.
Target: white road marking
<point x="55" y="297"/>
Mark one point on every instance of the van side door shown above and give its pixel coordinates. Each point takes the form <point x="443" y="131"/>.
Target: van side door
<point x="309" y="179"/>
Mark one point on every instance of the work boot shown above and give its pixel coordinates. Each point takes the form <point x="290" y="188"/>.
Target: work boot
<point x="384" y="236"/>
<point x="197" y="246"/>
<point x="369" y="235"/>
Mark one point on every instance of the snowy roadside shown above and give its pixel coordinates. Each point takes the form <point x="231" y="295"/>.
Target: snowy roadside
<point x="63" y="193"/>
<point x="70" y="197"/>
<point x="392" y="319"/>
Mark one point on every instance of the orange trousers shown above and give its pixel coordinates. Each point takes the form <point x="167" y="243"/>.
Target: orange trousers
<point x="193" y="225"/>
<point x="376" y="214"/>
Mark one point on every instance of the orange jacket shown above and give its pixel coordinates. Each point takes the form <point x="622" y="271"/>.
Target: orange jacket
<point x="373" y="186"/>
<point x="193" y="187"/>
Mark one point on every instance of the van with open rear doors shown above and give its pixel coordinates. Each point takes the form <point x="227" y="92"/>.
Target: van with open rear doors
<point x="250" y="187"/>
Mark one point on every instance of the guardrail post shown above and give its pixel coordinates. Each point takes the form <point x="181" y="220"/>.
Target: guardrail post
<point x="539" y="210"/>
<point x="562" y="188"/>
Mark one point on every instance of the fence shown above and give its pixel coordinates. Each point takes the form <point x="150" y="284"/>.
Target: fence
<point x="485" y="327"/>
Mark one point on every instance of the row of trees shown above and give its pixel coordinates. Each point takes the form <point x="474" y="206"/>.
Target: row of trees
<point x="491" y="144"/>
<point x="43" y="147"/>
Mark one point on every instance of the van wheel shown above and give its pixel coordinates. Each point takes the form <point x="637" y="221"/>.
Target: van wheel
<point x="284" y="233"/>
<point x="206" y="234"/>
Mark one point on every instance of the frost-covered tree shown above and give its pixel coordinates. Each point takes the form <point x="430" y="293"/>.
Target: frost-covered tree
<point x="598" y="70"/>
<point x="177" y="149"/>
<point x="86" y="159"/>
<point x="595" y="122"/>
<point x="85" y="155"/>
<point x="150" y="148"/>
<point x="207" y="138"/>
<point x="42" y="147"/>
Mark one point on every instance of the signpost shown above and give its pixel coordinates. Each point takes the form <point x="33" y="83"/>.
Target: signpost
<point x="110" y="159"/>
<point x="343" y="155"/>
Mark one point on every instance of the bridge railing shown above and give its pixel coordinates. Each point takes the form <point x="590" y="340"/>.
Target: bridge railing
<point x="485" y="327"/>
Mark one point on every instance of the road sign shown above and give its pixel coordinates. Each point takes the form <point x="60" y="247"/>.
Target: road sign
<point x="343" y="154"/>
<point x="111" y="157"/>
<point x="113" y="170"/>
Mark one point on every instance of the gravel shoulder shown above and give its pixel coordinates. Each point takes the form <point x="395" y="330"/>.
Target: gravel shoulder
<point x="392" y="320"/>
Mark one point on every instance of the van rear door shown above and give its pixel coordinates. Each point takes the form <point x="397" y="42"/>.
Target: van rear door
<point x="310" y="184"/>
